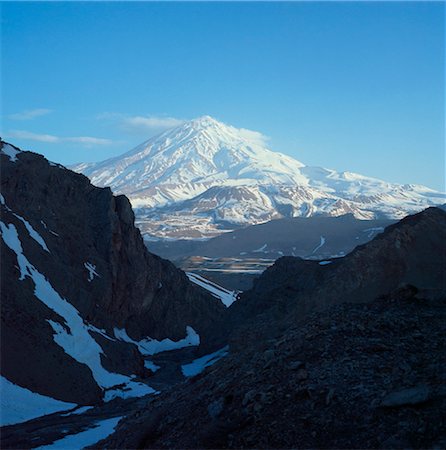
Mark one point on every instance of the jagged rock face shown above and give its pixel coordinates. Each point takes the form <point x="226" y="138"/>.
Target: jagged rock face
<point x="29" y="357"/>
<point x="97" y="261"/>
<point x="411" y="252"/>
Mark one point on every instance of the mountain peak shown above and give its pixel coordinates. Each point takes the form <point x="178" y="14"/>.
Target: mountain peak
<point x="205" y="120"/>
<point x="189" y="162"/>
<point x="204" y="123"/>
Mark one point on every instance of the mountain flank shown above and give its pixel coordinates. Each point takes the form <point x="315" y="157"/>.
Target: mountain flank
<point x="235" y="258"/>
<point x="203" y="178"/>
<point x="79" y="289"/>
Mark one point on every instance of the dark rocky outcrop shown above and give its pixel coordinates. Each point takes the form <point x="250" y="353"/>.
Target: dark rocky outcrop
<point x="411" y="252"/>
<point x="353" y="376"/>
<point x="134" y="289"/>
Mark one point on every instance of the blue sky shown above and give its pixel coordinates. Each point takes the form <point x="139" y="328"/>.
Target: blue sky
<point x="349" y="86"/>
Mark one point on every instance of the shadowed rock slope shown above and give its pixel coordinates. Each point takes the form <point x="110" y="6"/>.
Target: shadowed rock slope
<point x="350" y="356"/>
<point x="82" y="240"/>
<point x="354" y="376"/>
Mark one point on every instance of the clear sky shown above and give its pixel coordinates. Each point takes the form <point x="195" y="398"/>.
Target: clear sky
<point x="349" y="86"/>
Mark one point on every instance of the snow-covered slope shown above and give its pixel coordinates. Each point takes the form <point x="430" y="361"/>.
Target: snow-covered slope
<point x="185" y="161"/>
<point x="203" y="177"/>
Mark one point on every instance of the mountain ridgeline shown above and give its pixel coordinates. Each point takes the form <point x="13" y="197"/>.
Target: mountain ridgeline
<point x="205" y="177"/>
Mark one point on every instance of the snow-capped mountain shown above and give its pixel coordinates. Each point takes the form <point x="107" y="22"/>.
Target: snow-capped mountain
<point x="204" y="177"/>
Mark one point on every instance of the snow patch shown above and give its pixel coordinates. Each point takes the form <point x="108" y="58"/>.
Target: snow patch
<point x="129" y="389"/>
<point x="85" y="438"/>
<point x="198" y="365"/>
<point x="261" y="249"/>
<point x="373" y="230"/>
<point x="324" y="263"/>
<point x="10" y="151"/>
<point x="322" y="242"/>
<point x="226" y="296"/>
<point x="151" y="365"/>
<point x="149" y="346"/>
<point x="91" y="271"/>
<point x="77" y="411"/>
<point x="20" y="405"/>
<point x="100" y="331"/>
<point x="11" y="239"/>
<point x="33" y="233"/>
<point x="46" y="228"/>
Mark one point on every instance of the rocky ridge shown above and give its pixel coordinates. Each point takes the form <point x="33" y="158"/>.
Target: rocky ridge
<point x="411" y="251"/>
<point x="72" y="257"/>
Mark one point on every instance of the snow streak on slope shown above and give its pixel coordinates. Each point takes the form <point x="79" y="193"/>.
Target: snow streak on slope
<point x="203" y="177"/>
<point x="198" y="365"/>
<point x="33" y="233"/>
<point x="85" y="438"/>
<point x="77" y="411"/>
<point x="74" y="337"/>
<point x="321" y="243"/>
<point x="148" y="346"/>
<point x="18" y="404"/>
<point x="226" y="296"/>
<point x="91" y="268"/>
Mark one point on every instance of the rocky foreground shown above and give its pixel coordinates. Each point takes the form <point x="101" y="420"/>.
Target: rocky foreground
<point x="355" y="376"/>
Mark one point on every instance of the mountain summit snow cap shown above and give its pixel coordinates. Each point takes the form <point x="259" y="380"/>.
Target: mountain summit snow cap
<point x="217" y="130"/>
<point x="184" y="168"/>
<point x="203" y="122"/>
